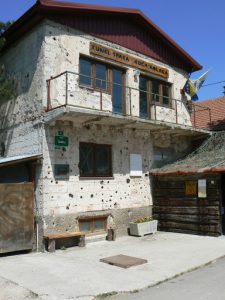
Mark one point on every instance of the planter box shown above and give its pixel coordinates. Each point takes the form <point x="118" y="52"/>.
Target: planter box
<point x="140" y="229"/>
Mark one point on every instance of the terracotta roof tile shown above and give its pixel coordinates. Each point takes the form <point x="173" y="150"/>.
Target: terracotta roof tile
<point x="217" y="108"/>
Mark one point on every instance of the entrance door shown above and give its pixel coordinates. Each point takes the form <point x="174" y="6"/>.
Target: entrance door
<point x="223" y="201"/>
<point x="16" y="217"/>
<point x="117" y="91"/>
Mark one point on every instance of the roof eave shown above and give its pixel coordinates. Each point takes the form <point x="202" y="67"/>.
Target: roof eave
<point x="37" y="12"/>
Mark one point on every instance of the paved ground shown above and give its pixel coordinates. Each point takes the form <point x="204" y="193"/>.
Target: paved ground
<point x="77" y="273"/>
<point x="203" y="284"/>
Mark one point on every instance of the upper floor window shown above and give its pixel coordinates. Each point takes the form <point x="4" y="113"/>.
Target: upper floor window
<point x="152" y="92"/>
<point x="104" y="78"/>
<point x="94" y="74"/>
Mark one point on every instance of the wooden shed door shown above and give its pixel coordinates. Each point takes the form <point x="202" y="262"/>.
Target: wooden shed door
<point x="16" y="217"/>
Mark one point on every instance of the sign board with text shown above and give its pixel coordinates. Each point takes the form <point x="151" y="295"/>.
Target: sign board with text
<point x="129" y="60"/>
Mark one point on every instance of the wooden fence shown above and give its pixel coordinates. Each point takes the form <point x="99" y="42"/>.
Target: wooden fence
<point x="178" y="212"/>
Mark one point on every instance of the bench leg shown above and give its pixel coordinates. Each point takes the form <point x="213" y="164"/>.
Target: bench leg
<point x="51" y="245"/>
<point x="82" y="241"/>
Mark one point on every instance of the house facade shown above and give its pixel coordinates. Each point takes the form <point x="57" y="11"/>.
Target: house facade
<point x="99" y="104"/>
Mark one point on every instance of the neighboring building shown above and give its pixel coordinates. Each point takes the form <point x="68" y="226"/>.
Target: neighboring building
<point x="212" y="118"/>
<point x="189" y="194"/>
<point x="98" y="105"/>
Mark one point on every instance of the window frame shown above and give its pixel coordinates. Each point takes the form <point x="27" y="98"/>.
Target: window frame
<point x="94" y="79"/>
<point x="92" y="221"/>
<point x="150" y="100"/>
<point x="95" y="147"/>
<point x="109" y="78"/>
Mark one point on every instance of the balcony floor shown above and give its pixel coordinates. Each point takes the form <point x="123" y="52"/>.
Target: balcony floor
<point x="83" y="116"/>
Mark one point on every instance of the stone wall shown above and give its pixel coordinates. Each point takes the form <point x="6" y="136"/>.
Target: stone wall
<point x="21" y="118"/>
<point x="69" y="44"/>
<point x="49" y="50"/>
<point x="73" y="195"/>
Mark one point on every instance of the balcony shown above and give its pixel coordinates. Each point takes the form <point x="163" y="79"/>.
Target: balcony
<point x="118" y="105"/>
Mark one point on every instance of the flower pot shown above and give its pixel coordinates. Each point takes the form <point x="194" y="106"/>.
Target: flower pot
<point x="141" y="229"/>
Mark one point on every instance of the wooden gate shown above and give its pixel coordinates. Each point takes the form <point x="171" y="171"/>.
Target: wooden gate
<point x="16" y="217"/>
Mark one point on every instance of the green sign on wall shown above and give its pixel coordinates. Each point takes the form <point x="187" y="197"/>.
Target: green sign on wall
<point x="61" y="141"/>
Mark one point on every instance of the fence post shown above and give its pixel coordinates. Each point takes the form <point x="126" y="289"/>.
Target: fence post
<point x="155" y="108"/>
<point x="194" y="115"/>
<point x="176" y="111"/>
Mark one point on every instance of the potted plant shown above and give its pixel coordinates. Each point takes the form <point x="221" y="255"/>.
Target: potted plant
<point x="142" y="226"/>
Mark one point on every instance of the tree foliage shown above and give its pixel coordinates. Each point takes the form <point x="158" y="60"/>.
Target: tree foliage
<point x="8" y="84"/>
<point x="3" y="28"/>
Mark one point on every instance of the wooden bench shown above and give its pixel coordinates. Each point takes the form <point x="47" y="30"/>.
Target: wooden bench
<point x="51" y="239"/>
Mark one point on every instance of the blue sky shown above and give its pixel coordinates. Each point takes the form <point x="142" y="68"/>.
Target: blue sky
<point x="196" y="25"/>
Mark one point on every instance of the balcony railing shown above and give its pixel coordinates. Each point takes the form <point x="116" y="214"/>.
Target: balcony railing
<point x="66" y="89"/>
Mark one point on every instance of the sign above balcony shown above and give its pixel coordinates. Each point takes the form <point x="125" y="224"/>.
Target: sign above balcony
<point x="129" y="60"/>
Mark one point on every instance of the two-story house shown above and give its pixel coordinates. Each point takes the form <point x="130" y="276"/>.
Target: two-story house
<point x="99" y="103"/>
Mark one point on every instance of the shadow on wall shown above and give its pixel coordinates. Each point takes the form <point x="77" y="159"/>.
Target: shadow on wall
<point x="21" y="61"/>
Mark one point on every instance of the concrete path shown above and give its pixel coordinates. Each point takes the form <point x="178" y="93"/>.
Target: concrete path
<point x="77" y="273"/>
<point x="203" y="284"/>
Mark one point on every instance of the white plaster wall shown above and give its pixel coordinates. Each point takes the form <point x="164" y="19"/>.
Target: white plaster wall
<point x="73" y="195"/>
<point x="63" y="48"/>
<point x="51" y="49"/>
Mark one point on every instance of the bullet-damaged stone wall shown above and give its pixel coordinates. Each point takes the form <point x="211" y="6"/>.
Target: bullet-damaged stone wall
<point x="48" y="50"/>
<point x="63" y="48"/>
<point x="73" y="195"/>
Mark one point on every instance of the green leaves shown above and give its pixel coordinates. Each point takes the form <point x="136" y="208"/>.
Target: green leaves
<point x="3" y="28"/>
<point x="142" y="220"/>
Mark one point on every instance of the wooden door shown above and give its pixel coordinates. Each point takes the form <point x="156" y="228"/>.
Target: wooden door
<point x="16" y="217"/>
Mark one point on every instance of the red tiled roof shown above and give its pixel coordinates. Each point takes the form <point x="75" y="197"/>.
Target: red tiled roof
<point x="217" y="109"/>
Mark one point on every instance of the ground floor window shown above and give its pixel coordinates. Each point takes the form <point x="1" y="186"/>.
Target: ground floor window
<point x="93" y="225"/>
<point x="95" y="160"/>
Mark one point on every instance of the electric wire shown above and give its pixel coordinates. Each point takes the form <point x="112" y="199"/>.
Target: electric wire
<point x="213" y="83"/>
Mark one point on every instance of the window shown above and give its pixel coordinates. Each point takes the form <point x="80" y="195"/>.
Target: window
<point x="106" y="78"/>
<point x="95" y="160"/>
<point x="93" y="225"/>
<point x="93" y="74"/>
<point x="153" y="91"/>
